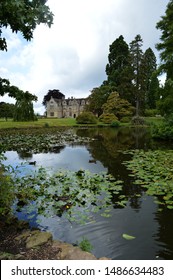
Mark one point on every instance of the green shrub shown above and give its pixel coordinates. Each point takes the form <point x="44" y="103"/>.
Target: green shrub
<point x="46" y="125"/>
<point x="162" y="131"/>
<point x="6" y="190"/>
<point x="151" y="112"/>
<point x="86" y="118"/>
<point x="137" y="120"/>
<point x="125" y="119"/>
<point x="108" y="118"/>
<point x="115" y="124"/>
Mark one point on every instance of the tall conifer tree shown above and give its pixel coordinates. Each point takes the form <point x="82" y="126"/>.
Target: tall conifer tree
<point x="166" y="45"/>
<point x="118" y="69"/>
<point x="136" y="55"/>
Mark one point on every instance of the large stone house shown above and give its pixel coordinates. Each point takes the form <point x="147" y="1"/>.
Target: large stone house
<point x="65" y="108"/>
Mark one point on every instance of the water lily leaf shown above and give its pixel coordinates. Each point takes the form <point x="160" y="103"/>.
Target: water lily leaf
<point x="128" y="237"/>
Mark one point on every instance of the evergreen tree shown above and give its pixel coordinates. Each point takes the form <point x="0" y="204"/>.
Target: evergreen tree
<point x="149" y="81"/>
<point x="118" y="60"/>
<point x="165" y="104"/>
<point x="165" y="46"/>
<point x="136" y="55"/>
<point x="118" y="70"/>
<point x="153" y="92"/>
<point x="118" y="106"/>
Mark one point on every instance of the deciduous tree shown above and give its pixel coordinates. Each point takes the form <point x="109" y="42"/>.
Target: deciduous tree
<point x="55" y="93"/>
<point x="98" y="97"/>
<point x="6" y="110"/>
<point x="23" y="16"/>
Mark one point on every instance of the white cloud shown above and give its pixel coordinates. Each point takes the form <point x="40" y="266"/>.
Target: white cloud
<point x="72" y="55"/>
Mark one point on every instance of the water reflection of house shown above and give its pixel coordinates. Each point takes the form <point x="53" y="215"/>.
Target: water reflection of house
<point x="65" y="108"/>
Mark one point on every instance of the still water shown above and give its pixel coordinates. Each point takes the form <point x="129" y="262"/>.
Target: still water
<point x="140" y="218"/>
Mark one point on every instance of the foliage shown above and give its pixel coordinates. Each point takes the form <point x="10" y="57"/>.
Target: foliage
<point x="165" y="104"/>
<point x="108" y="118"/>
<point x="128" y="237"/>
<point x="165" y="46"/>
<point x="118" y="59"/>
<point x="6" y="189"/>
<point x="86" y="118"/>
<point x="137" y="120"/>
<point x="131" y="73"/>
<point x="151" y="112"/>
<point x="97" y="98"/>
<point x="153" y="170"/>
<point x="85" y="245"/>
<point x="153" y="91"/>
<point x="36" y="141"/>
<point x="163" y="130"/>
<point x="125" y="119"/>
<point x="23" y="16"/>
<point x="118" y="106"/>
<point x="55" y="93"/>
<point x="4" y="86"/>
<point x="115" y="123"/>
<point x="24" y="110"/>
<point x="136" y="54"/>
<point x="6" y="110"/>
<point x="74" y="194"/>
<point x="119" y="71"/>
<point x="149" y="83"/>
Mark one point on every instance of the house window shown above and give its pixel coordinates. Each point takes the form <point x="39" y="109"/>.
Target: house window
<point x="52" y="114"/>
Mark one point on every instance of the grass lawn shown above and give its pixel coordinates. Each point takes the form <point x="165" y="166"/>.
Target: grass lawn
<point x="65" y="122"/>
<point x="154" y="120"/>
<point x="40" y="123"/>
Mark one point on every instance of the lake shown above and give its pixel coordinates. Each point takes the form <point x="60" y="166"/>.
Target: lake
<point x="103" y="152"/>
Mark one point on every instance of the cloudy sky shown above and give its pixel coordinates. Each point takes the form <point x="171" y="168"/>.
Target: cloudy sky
<point x="72" y="55"/>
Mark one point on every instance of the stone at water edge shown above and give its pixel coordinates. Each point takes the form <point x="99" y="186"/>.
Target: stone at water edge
<point x="38" y="238"/>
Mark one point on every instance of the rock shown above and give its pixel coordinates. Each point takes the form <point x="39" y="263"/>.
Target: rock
<point x="78" y="254"/>
<point x="38" y="238"/>
<point x="70" y="252"/>
<point x="23" y="236"/>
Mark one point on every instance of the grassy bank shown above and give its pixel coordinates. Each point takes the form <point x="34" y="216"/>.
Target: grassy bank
<point x="40" y="123"/>
<point x="66" y="122"/>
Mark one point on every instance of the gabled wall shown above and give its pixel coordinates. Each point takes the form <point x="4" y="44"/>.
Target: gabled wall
<point x="65" y="108"/>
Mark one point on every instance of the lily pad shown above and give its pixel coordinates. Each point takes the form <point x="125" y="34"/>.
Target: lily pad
<point x="128" y="237"/>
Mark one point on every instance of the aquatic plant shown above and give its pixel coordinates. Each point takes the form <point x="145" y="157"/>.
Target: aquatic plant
<point x="85" y="245"/>
<point x="37" y="141"/>
<point x="153" y="170"/>
<point x="75" y="194"/>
